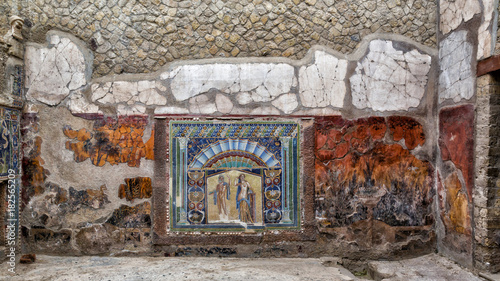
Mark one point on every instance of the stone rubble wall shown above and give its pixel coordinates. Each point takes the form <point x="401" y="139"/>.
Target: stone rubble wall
<point x="130" y="36"/>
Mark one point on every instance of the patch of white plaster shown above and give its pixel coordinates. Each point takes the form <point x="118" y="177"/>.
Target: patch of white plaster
<point x="264" y="82"/>
<point x="485" y="33"/>
<point x="171" y="110"/>
<point x="456" y="80"/>
<point x="145" y="92"/>
<point x="53" y="71"/>
<point x="287" y="103"/>
<point x="389" y="79"/>
<point x="78" y="104"/>
<point x="454" y="12"/>
<point x="322" y="83"/>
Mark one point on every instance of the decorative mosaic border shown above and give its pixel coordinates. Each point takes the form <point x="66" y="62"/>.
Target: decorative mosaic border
<point x="200" y="152"/>
<point x="9" y="140"/>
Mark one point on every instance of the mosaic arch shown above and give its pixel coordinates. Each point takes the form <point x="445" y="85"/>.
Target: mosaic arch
<point x="236" y="176"/>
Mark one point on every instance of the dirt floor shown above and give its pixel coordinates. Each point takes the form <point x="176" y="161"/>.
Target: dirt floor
<point x="430" y="267"/>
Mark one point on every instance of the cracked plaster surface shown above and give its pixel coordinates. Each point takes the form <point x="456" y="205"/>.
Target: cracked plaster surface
<point x="385" y="79"/>
<point x="389" y="79"/>
<point x="264" y="82"/>
<point x="454" y="12"/>
<point x="322" y="83"/>
<point x="77" y="103"/>
<point x="53" y="72"/>
<point x="486" y="37"/>
<point x="130" y="93"/>
<point x="456" y="80"/>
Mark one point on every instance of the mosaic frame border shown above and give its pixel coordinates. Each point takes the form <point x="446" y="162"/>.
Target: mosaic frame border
<point x="295" y="189"/>
<point x="163" y="236"/>
<point x="13" y="117"/>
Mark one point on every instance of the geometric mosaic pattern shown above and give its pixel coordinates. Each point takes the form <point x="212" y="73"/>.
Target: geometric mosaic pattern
<point x="9" y="140"/>
<point x="234" y="176"/>
<point x="10" y="134"/>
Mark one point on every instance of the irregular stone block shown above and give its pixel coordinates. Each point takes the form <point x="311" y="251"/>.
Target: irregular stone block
<point x="78" y="104"/>
<point x="170" y="110"/>
<point x="486" y="44"/>
<point x="131" y="93"/>
<point x="223" y="103"/>
<point x="264" y="81"/>
<point x="287" y="103"/>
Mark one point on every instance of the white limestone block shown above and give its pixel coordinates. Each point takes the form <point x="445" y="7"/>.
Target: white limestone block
<point x="265" y="81"/>
<point x="486" y="44"/>
<point x="201" y="105"/>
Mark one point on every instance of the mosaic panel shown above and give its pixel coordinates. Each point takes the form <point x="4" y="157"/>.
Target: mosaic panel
<point x="238" y="176"/>
<point x="9" y="159"/>
<point x="15" y="86"/>
<point x="9" y="140"/>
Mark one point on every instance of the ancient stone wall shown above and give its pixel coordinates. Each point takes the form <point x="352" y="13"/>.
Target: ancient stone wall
<point x="142" y="36"/>
<point x="363" y="145"/>
<point x="467" y="31"/>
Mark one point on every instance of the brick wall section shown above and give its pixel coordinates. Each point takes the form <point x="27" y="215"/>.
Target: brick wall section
<point x="487" y="190"/>
<point x="140" y="36"/>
